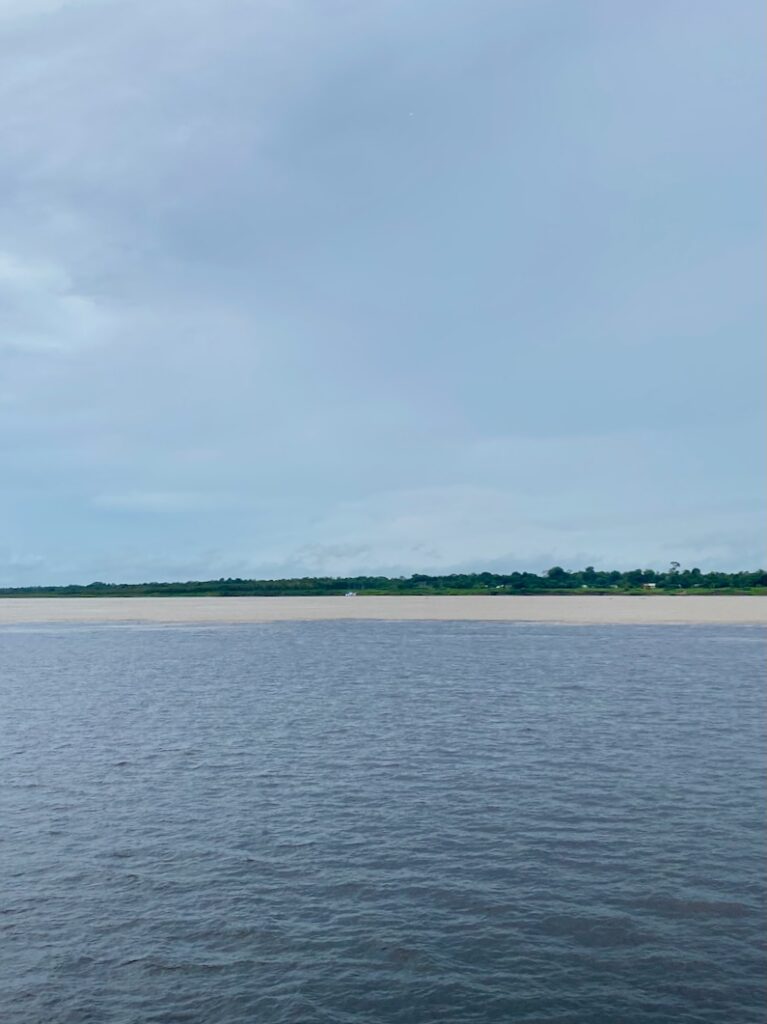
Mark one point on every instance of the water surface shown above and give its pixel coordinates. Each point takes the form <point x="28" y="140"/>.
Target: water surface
<point x="381" y="823"/>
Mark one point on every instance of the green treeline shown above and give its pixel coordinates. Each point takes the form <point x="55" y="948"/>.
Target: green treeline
<point x="556" y="580"/>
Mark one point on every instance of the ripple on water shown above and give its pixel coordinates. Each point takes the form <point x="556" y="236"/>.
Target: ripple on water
<point x="382" y="823"/>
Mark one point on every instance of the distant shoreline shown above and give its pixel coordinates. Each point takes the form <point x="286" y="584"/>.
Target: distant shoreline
<point x="618" y="609"/>
<point x="588" y="582"/>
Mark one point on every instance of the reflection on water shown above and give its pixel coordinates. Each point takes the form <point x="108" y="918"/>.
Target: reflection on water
<point x="382" y="822"/>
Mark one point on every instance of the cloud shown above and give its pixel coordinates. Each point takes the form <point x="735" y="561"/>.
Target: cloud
<point x="41" y="310"/>
<point x="256" y="318"/>
<point x="160" y="501"/>
<point x="20" y="10"/>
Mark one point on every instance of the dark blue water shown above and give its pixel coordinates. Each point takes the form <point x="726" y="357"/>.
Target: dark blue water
<point x="368" y="823"/>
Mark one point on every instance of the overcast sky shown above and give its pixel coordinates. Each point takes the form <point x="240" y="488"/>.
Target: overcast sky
<point x="327" y="287"/>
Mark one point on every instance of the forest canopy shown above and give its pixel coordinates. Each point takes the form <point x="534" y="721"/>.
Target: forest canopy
<point x="556" y="580"/>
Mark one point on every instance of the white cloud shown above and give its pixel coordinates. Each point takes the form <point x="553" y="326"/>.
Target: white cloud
<point x="41" y="309"/>
<point x="161" y="501"/>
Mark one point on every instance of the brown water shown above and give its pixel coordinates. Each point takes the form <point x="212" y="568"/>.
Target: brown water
<point x="625" y="609"/>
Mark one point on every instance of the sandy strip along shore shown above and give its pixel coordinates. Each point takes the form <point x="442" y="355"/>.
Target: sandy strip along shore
<point x="576" y="610"/>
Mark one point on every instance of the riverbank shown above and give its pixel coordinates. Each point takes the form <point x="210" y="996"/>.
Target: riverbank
<point x="619" y="609"/>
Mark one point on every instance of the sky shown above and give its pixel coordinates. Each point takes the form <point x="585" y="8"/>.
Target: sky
<point x="294" y="287"/>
